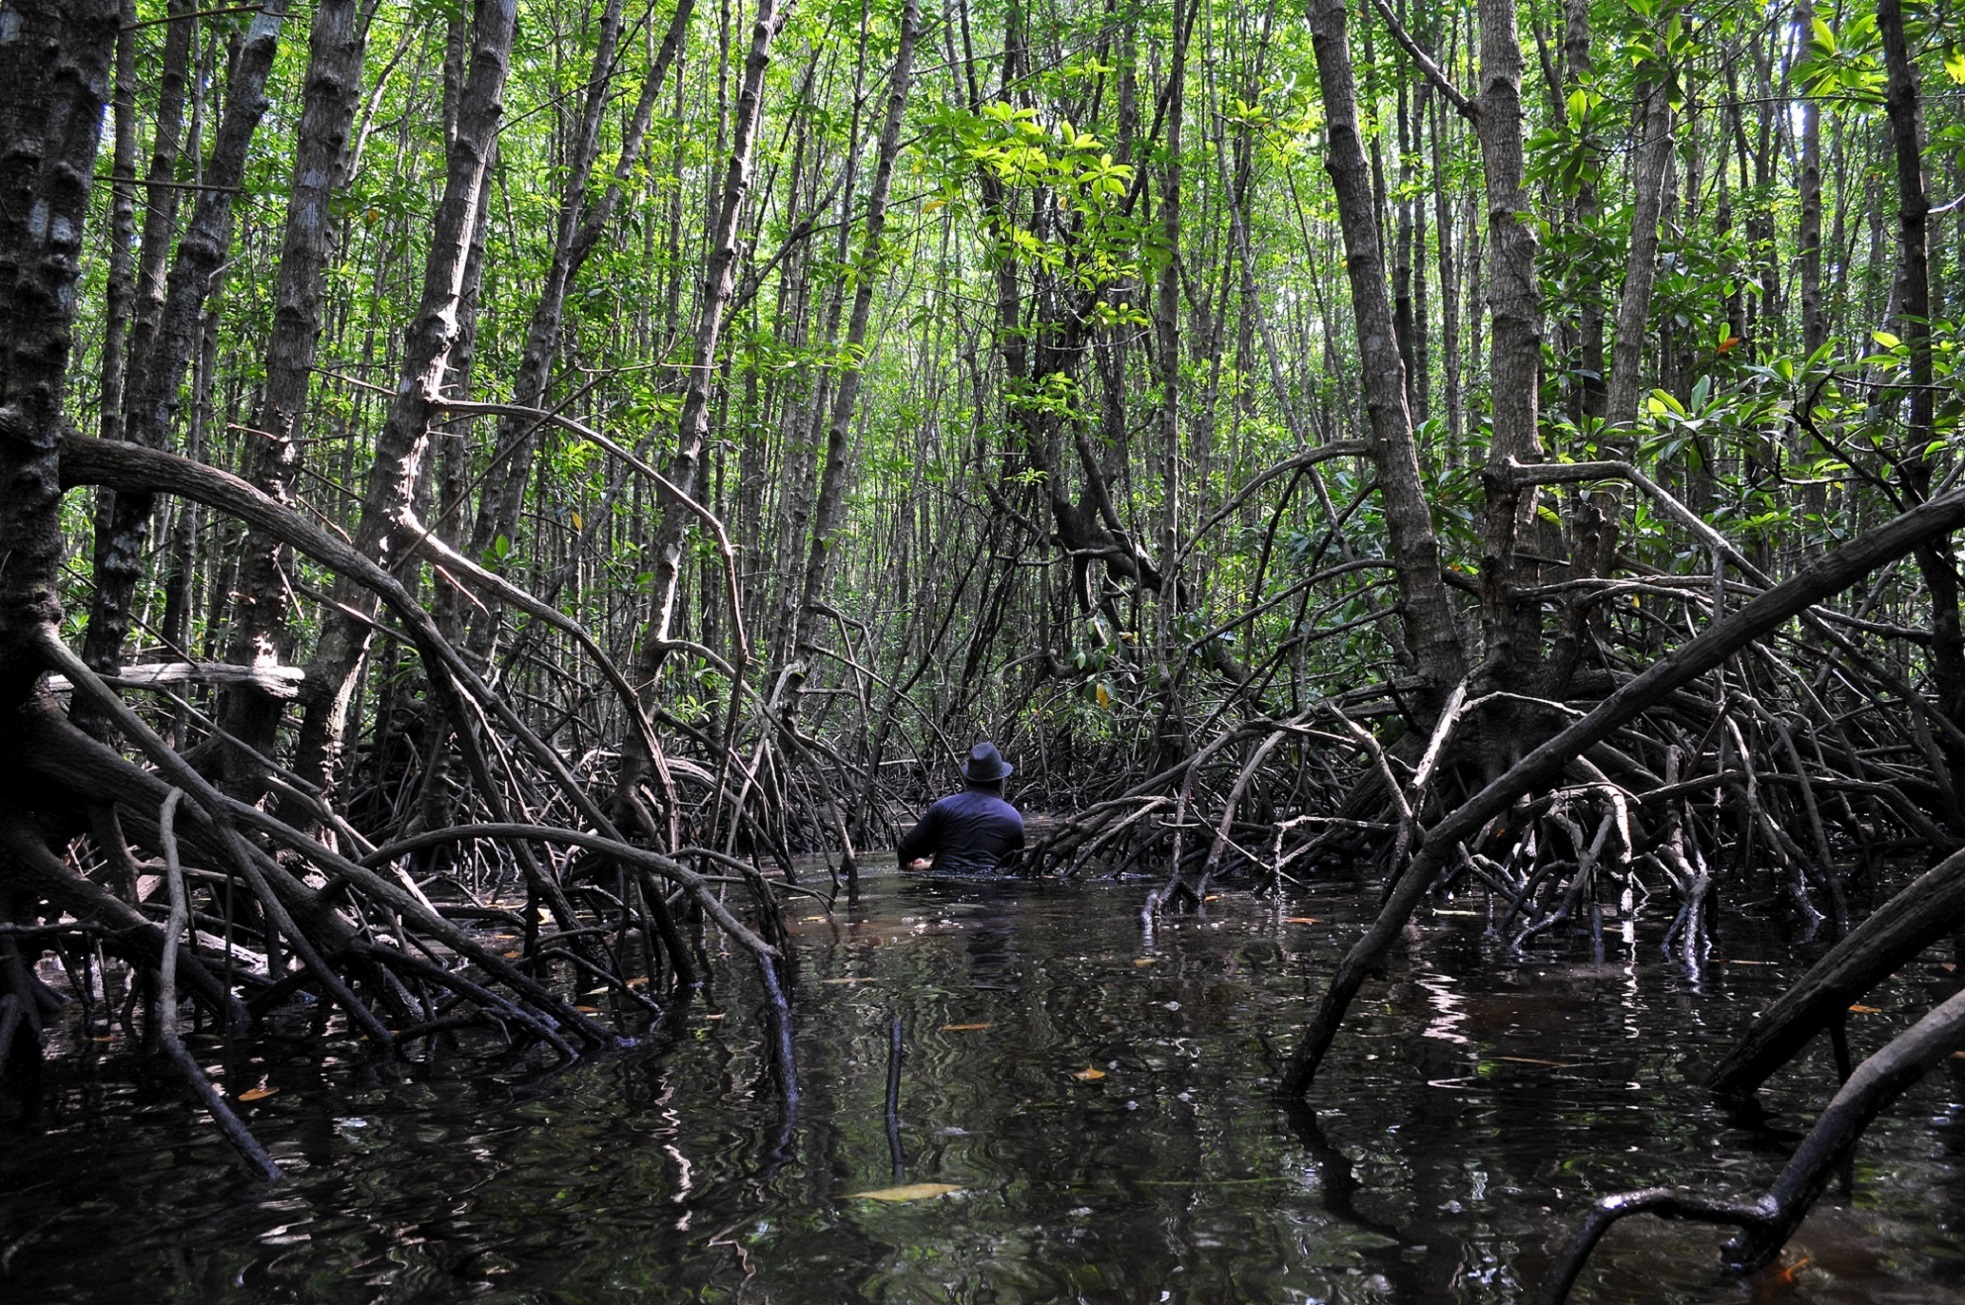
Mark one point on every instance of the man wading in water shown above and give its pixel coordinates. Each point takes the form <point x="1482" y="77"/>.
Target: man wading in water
<point x="968" y="832"/>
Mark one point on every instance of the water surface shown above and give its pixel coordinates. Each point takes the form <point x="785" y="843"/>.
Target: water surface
<point x="1099" y="1095"/>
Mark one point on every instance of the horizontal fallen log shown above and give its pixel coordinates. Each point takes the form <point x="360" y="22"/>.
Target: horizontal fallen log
<point x="279" y="681"/>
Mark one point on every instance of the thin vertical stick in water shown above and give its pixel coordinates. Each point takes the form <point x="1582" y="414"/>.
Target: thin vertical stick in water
<point x="894" y="1100"/>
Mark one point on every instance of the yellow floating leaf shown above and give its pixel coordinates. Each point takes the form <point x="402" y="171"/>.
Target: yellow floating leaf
<point x="1300" y="919"/>
<point x="1865" y="1010"/>
<point x="258" y="1093"/>
<point x="715" y="1015"/>
<point x="965" y="1028"/>
<point x="1212" y="897"/>
<point x="1144" y="961"/>
<point x="910" y="1192"/>
<point x="588" y="1010"/>
<point x="639" y="981"/>
<point x="812" y="919"/>
<point x="1949" y="967"/>
<point x="103" y="1037"/>
<point x="1089" y="1073"/>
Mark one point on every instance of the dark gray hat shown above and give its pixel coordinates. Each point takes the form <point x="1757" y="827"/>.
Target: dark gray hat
<point x="985" y="765"/>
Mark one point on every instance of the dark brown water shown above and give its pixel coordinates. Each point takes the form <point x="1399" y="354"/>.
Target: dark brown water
<point x="1474" y="1104"/>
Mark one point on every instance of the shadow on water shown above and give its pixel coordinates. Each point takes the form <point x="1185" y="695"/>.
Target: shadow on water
<point x="1097" y="1101"/>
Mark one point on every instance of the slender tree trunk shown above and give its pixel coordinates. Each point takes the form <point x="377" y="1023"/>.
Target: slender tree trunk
<point x="830" y="512"/>
<point x="405" y="438"/>
<point x="159" y="373"/>
<point x="1641" y="267"/>
<point x="1432" y="635"/>
<point x="259" y="625"/>
<point x="121" y="286"/>
<point x="580" y="228"/>
<point x="692" y="427"/>
<point x="1913" y="325"/>
<point x="1510" y="627"/>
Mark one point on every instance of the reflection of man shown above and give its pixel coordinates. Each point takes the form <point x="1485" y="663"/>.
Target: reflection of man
<point x="969" y="832"/>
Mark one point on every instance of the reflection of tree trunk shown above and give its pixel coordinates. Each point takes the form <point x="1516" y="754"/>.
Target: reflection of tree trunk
<point x="158" y="374"/>
<point x="1921" y="913"/>
<point x="1433" y="637"/>
<point x="405" y="436"/>
<point x="272" y="460"/>
<point x="1767" y="1222"/>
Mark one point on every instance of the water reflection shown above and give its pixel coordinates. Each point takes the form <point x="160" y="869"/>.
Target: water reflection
<point x="1101" y="1101"/>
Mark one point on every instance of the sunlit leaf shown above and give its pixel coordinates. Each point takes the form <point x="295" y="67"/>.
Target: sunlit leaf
<point x="258" y="1093"/>
<point x="965" y="1028"/>
<point x="1865" y="1010"/>
<point x="910" y="1192"/>
<point x="1089" y="1073"/>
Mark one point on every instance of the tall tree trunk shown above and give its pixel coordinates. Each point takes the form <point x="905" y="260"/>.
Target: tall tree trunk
<point x="692" y="427"/>
<point x="158" y="375"/>
<point x="1641" y="267"/>
<point x="1431" y="632"/>
<point x="1510" y="627"/>
<point x="830" y="512"/>
<point x="1577" y="69"/>
<point x="336" y="48"/>
<point x="405" y="438"/>
<point x="54" y="80"/>
<point x="579" y="230"/>
<point x="1913" y="325"/>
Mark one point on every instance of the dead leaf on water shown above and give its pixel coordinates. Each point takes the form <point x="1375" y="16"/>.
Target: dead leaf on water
<point x="811" y="919"/>
<point x="1299" y="919"/>
<point x="1089" y="1073"/>
<point x="1472" y="915"/>
<point x="588" y="1010"/>
<point x="258" y="1093"/>
<point x="910" y="1192"/>
<point x="1865" y="1010"/>
<point x="965" y="1028"/>
<point x="858" y="978"/>
<point x="1144" y="961"/>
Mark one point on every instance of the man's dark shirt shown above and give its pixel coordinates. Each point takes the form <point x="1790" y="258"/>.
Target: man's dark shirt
<point x="967" y="832"/>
